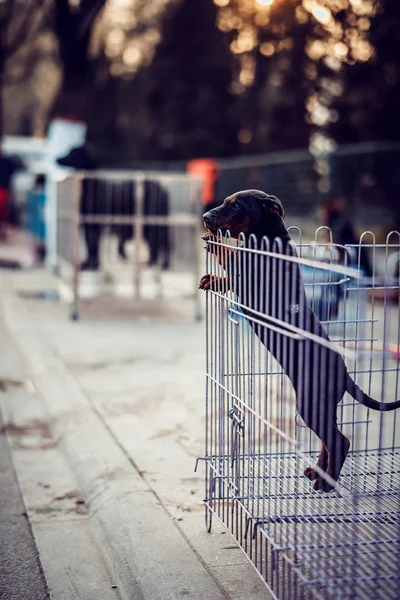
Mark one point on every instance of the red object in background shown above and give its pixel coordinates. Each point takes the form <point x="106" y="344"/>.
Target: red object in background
<point x="3" y="202"/>
<point x="208" y="169"/>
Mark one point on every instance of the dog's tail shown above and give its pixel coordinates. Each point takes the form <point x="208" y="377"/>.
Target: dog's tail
<point x="364" y="399"/>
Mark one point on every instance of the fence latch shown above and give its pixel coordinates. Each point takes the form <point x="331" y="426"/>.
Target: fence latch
<point x="238" y="428"/>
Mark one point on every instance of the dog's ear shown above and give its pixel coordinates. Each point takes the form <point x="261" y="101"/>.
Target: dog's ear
<point x="273" y="208"/>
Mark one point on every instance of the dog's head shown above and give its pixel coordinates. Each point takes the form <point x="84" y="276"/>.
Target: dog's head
<point x="248" y="212"/>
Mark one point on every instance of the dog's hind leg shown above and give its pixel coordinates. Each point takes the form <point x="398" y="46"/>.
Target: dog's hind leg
<point x="337" y="446"/>
<point x="322" y="463"/>
<point x="166" y="249"/>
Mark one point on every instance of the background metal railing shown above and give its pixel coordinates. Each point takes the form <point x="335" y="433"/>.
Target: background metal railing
<point x="128" y="232"/>
<point x="359" y="174"/>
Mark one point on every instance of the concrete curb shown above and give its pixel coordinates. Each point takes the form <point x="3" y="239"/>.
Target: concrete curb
<point x="22" y="575"/>
<point x="150" y="556"/>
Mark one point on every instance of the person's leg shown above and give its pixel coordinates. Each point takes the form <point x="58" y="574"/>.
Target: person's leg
<point x="3" y="201"/>
<point x="92" y="233"/>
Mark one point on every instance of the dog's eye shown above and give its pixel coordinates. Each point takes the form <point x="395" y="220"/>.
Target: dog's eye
<point x="236" y="207"/>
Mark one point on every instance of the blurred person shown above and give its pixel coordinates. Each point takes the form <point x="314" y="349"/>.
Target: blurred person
<point x="81" y="159"/>
<point x="9" y="165"/>
<point x="155" y="203"/>
<point x="326" y="304"/>
<point x="343" y="234"/>
<point x="117" y="198"/>
<point x="35" y="220"/>
<point x="207" y="168"/>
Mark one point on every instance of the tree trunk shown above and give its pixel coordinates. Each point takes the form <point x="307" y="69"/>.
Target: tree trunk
<point x="73" y="30"/>
<point x="73" y="100"/>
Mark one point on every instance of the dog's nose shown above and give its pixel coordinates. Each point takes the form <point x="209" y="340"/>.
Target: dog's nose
<point x="207" y="217"/>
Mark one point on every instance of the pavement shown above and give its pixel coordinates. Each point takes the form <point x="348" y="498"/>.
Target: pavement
<point x="22" y="576"/>
<point x="105" y="420"/>
<point x="17" y="249"/>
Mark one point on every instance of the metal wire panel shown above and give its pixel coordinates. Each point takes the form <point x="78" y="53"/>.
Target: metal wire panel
<point x="135" y="230"/>
<point x="271" y="373"/>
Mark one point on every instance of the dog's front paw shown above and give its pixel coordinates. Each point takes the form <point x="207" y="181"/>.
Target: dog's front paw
<point x="205" y="282"/>
<point x="214" y="283"/>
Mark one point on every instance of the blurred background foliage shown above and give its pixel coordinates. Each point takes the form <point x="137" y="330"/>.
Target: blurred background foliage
<point x="177" y="79"/>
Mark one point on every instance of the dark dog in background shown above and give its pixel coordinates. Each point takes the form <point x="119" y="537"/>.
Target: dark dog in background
<point x="108" y="198"/>
<point x="318" y="373"/>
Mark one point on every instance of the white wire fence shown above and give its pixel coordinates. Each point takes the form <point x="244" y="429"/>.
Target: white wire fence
<point x="129" y="233"/>
<point x="299" y="469"/>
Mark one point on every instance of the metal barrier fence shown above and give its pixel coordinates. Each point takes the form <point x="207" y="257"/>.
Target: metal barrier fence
<point x="361" y="174"/>
<point x="315" y="523"/>
<point x="100" y="213"/>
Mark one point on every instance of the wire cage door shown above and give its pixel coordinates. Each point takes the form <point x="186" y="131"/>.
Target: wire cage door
<point x="306" y="533"/>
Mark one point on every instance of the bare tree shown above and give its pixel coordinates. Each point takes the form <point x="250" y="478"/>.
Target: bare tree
<point x="73" y="26"/>
<point x="19" y="21"/>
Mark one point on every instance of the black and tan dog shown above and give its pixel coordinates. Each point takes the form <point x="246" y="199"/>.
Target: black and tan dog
<point x="273" y="287"/>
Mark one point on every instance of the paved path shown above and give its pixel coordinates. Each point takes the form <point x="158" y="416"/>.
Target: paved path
<point x="118" y="406"/>
<point x="22" y="577"/>
<point x="16" y="249"/>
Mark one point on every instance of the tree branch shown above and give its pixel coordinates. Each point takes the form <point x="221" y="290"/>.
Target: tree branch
<point x="6" y="12"/>
<point x="89" y="11"/>
<point x="26" y="28"/>
<point x="27" y="72"/>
